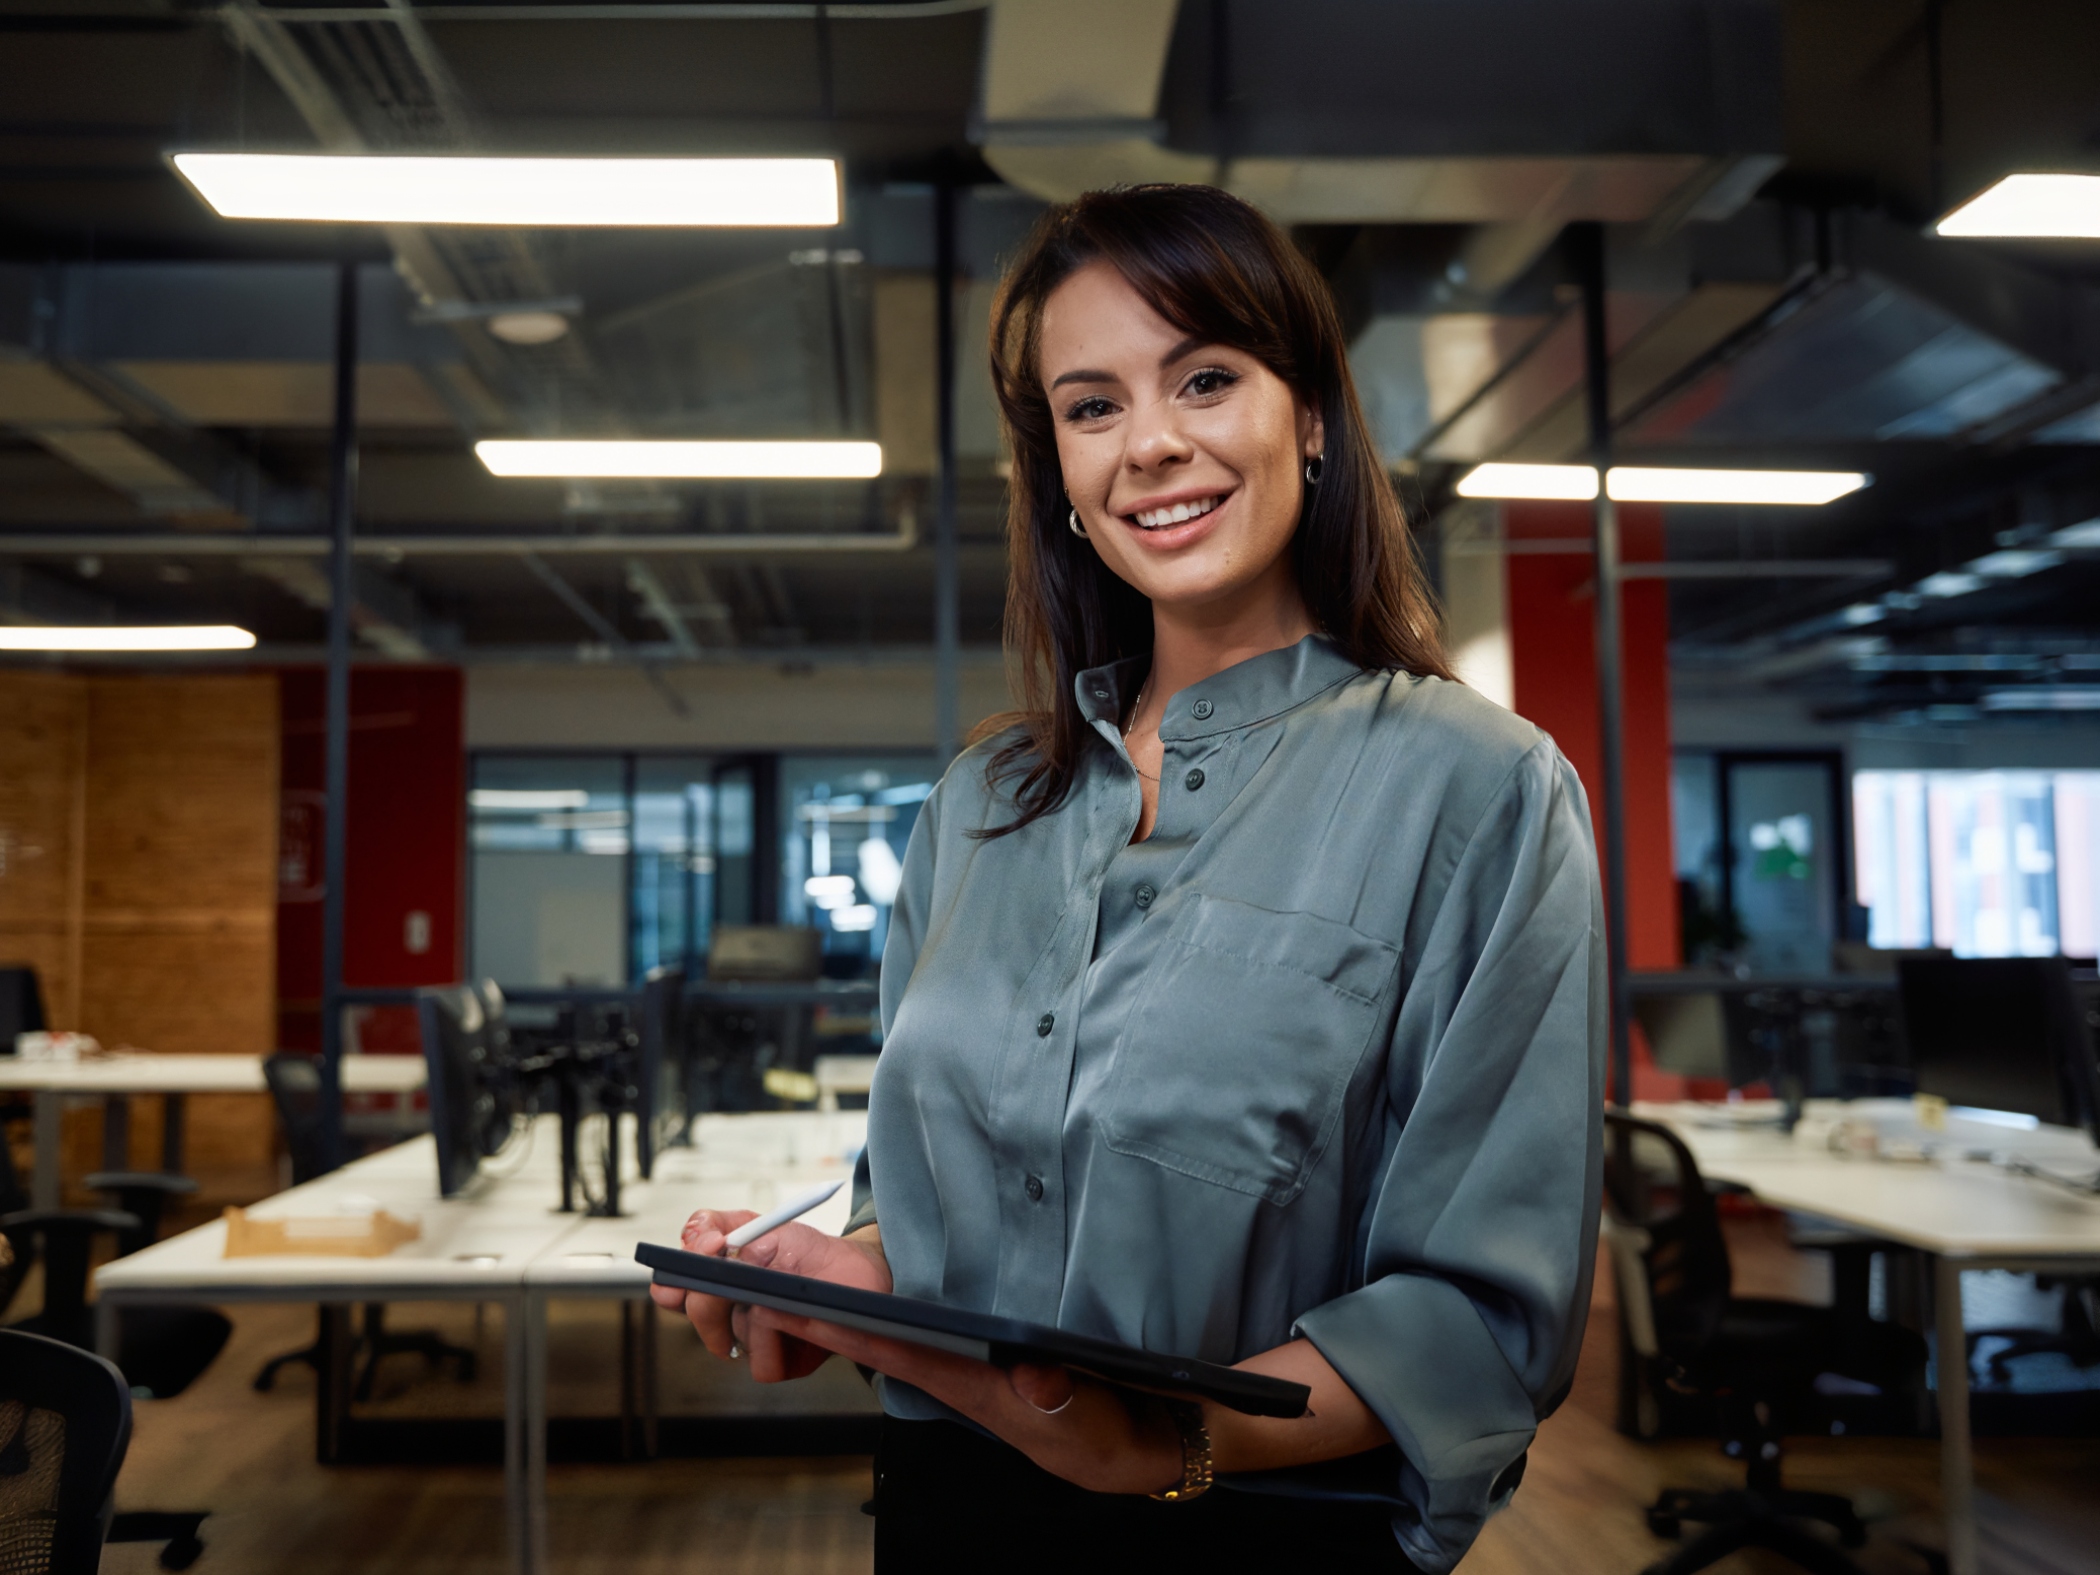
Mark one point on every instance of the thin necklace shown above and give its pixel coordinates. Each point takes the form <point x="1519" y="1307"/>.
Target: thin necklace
<point x="1134" y="710"/>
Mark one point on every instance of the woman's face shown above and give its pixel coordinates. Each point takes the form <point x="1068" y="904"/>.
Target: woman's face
<point x="1185" y="460"/>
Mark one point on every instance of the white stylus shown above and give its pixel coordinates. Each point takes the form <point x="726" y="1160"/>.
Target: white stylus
<point x="744" y="1235"/>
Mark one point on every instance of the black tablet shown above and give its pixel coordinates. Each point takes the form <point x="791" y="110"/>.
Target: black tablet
<point x="1001" y="1341"/>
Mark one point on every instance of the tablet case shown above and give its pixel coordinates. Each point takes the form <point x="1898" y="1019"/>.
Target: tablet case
<point x="1000" y="1341"/>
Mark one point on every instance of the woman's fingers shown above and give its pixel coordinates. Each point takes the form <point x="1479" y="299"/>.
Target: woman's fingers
<point x="709" y="1316"/>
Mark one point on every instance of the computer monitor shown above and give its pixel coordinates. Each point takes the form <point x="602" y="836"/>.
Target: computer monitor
<point x="660" y="1086"/>
<point x="2000" y="1033"/>
<point x="468" y="1117"/>
<point x="21" y="1005"/>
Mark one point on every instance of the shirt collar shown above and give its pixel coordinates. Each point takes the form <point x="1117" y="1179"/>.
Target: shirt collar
<point x="1242" y="695"/>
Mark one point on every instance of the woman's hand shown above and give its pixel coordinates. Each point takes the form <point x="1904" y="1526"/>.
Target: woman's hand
<point x="1105" y="1439"/>
<point x="727" y="1328"/>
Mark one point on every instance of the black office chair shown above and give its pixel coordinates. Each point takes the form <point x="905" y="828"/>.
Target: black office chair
<point x="295" y="1087"/>
<point x="21" y="1012"/>
<point x="65" y="1422"/>
<point x="1759" y="1359"/>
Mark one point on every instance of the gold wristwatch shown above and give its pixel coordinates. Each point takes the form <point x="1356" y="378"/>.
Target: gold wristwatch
<point x="1196" y="1473"/>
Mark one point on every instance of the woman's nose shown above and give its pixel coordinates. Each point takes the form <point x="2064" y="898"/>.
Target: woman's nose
<point x="1156" y="438"/>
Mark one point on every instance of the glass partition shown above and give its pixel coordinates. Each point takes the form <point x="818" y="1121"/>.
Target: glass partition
<point x="844" y="824"/>
<point x="549" y="844"/>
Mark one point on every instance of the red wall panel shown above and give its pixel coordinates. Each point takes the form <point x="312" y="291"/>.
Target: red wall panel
<point x="406" y="843"/>
<point x="1552" y="628"/>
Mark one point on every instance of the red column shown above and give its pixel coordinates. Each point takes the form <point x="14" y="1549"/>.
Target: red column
<point x="1552" y="635"/>
<point x="407" y="845"/>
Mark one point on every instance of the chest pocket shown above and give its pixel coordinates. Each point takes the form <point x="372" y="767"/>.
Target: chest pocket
<point x="1236" y="1057"/>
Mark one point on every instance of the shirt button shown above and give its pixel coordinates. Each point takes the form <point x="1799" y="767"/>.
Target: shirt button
<point x="1044" y="1024"/>
<point x="1143" y="896"/>
<point x="1100" y="694"/>
<point x="1193" y="780"/>
<point x="1035" y="1189"/>
<point x="1200" y="710"/>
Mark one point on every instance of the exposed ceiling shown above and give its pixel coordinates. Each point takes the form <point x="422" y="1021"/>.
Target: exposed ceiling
<point x="1767" y="171"/>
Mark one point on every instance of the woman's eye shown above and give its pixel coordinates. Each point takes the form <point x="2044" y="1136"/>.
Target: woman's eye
<point x="1211" y="380"/>
<point x="1092" y="409"/>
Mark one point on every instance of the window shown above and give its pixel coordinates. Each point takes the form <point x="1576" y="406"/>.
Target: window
<point x="590" y="870"/>
<point x="845" y="822"/>
<point x="1985" y="863"/>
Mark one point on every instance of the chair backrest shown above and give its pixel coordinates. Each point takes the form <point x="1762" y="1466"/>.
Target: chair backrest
<point x="21" y="1004"/>
<point x="65" y="1422"/>
<point x="1665" y="1235"/>
<point x="295" y="1086"/>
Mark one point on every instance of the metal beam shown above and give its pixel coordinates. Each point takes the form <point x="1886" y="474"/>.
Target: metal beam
<point x="1586" y="242"/>
<point x="603" y="628"/>
<point x="188" y="544"/>
<point x="657" y="603"/>
<point x="342" y="506"/>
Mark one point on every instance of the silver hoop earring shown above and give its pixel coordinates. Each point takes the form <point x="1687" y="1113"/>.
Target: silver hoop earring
<point x="1313" y="468"/>
<point x="1072" y="520"/>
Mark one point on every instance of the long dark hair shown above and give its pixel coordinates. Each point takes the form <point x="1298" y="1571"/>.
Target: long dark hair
<point x="1217" y="270"/>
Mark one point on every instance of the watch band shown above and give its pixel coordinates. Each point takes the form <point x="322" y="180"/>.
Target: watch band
<point x="1196" y="1472"/>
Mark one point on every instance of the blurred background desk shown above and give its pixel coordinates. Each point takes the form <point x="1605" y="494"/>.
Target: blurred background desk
<point x="112" y="1079"/>
<point x="1963" y="1214"/>
<point x="502" y="1241"/>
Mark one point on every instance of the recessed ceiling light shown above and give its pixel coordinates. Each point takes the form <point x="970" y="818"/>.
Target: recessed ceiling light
<point x="414" y="189"/>
<point x="2032" y="207"/>
<point x="171" y="637"/>
<point x="1648" y="484"/>
<point x="528" y="328"/>
<point x="680" y="460"/>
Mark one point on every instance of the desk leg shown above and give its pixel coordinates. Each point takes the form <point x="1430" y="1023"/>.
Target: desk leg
<point x="171" y="1113"/>
<point x="334" y="1353"/>
<point x="116" y="1132"/>
<point x="1957" y="1457"/>
<point x="109" y="1328"/>
<point x="525" y="1431"/>
<point x="50" y="1134"/>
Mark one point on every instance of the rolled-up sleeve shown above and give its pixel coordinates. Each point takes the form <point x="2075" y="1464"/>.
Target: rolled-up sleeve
<point x="1479" y="1232"/>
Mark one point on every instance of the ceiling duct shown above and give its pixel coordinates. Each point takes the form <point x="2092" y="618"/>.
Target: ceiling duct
<point x="1524" y="113"/>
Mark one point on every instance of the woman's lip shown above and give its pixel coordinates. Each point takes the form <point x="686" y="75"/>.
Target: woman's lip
<point x="1167" y="500"/>
<point x="1166" y="538"/>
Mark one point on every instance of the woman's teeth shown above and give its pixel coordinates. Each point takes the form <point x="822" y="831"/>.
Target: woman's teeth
<point x="1175" y="514"/>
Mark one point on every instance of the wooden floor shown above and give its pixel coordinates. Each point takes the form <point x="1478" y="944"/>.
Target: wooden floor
<point x="249" y="1459"/>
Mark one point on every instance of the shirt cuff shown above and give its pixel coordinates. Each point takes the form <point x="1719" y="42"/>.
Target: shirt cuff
<point x="1416" y="1352"/>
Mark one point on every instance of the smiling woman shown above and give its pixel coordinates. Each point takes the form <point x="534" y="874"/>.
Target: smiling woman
<point x="1243" y="995"/>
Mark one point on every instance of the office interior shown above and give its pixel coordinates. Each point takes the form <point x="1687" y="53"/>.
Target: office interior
<point x="605" y="782"/>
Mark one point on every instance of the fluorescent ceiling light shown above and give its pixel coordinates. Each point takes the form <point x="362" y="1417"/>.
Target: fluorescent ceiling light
<point x="2044" y="697"/>
<point x="411" y="189"/>
<point x="529" y="800"/>
<point x="1949" y="582"/>
<point x="1575" y="483"/>
<point x="2036" y="207"/>
<point x="1646" y="484"/>
<point x="1642" y="484"/>
<point x="671" y="460"/>
<point x="168" y="637"/>
<point x="2015" y="563"/>
<point x="2086" y="533"/>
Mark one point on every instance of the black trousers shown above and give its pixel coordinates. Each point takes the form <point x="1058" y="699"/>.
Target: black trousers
<point x="948" y="1498"/>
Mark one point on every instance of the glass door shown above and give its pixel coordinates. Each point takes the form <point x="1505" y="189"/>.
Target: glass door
<point x="1783" y="862"/>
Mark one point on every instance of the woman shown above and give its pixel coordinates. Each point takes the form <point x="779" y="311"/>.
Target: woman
<point x="1242" y="998"/>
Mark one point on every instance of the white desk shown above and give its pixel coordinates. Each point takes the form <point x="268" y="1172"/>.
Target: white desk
<point x="503" y="1242"/>
<point x="1964" y="1214"/>
<point x="113" y="1078"/>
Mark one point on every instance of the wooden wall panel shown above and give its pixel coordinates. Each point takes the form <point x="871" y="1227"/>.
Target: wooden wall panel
<point x="180" y="885"/>
<point x="43" y="737"/>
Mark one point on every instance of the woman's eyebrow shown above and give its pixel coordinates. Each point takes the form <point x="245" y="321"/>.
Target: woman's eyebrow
<point x="1081" y="377"/>
<point x="1187" y="346"/>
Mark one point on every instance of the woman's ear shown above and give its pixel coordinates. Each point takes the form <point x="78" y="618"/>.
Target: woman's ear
<point x="1313" y="433"/>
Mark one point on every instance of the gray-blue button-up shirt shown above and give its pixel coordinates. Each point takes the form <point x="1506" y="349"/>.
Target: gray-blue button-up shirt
<point x="1320" y="1057"/>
